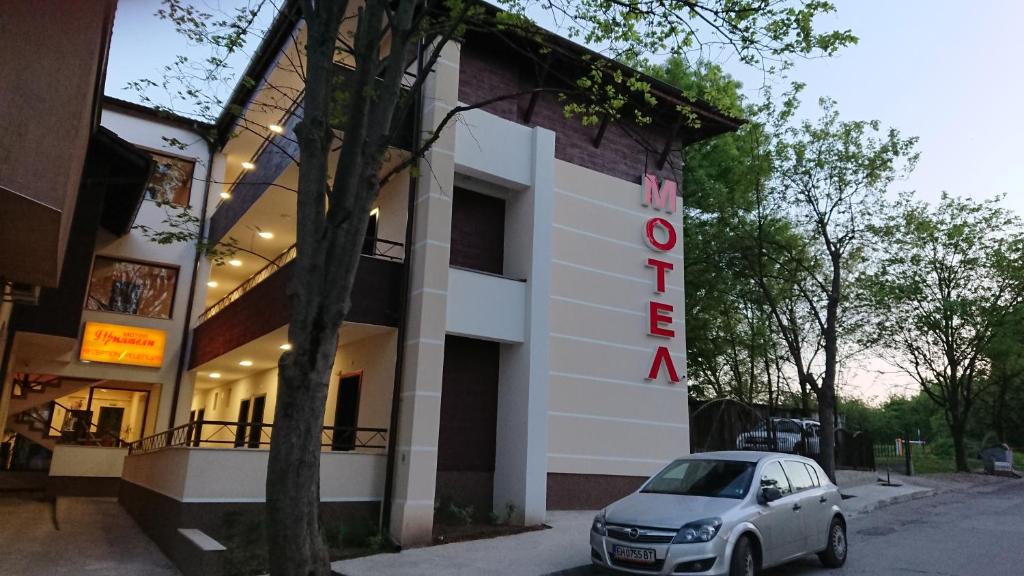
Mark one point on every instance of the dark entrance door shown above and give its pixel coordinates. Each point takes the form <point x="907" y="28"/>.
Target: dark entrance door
<point x="259" y="403"/>
<point x="197" y="430"/>
<point x="469" y="417"/>
<point x="370" y="240"/>
<point x="243" y="421"/>
<point x="109" y="421"/>
<point x="346" y="413"/>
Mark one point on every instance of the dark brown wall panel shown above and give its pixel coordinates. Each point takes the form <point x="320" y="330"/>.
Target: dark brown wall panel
<point x="376" y="299"/>
<point x="588" y="491"/>
<point x="478" y="231"/>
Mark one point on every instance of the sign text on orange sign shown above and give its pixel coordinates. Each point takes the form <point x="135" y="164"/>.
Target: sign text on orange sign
<point x="116" y="344"/>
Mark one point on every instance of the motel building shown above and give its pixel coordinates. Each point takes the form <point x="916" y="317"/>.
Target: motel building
<point x="516" y="340"/>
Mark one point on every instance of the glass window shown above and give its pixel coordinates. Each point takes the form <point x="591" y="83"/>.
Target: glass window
<point x="714" y="478"/>
<point x="772" y="475"/>
<point x="798" y="475"/>
<point x="788" y="426"/>
<point x="171" y="180"/>
<point x="132" y="288"/>
<point x="814" y="474"/>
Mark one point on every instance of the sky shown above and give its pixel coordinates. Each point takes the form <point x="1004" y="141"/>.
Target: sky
<point x="946" y="71"/>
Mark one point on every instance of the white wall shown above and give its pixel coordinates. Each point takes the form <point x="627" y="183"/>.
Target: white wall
<point x="91" y="461"/>
<point x="240" y="474"/>
<point x="605" y="417"/>
<point x="373" y="356"/>
<point x="489" y="307"/>
<point x="149" y="134"/>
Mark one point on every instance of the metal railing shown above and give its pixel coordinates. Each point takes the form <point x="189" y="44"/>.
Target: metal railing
<point x="220" y="434"/>
<point x="380" y="248"/>
<point x="87" y="433"/>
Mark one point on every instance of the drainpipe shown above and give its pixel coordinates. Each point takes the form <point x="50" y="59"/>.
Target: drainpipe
<point x="396" y="393"/>
<point x="186" y="343"/>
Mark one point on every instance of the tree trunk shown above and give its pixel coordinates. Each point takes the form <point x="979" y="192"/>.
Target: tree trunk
<point x="958" y="429"/>
<point x="293" y="471"/>
<point x="827" y="442"/>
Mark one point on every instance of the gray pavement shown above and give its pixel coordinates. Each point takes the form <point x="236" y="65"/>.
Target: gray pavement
<point x="95" y="537"/>
<point x="893" y="530"/>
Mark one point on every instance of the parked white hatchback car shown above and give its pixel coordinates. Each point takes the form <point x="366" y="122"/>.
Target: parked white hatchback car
<point x="723" y="513"/>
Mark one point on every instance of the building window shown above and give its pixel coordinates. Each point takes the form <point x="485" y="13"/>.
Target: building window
<point x="171" y="181"/>
<point x="131" y="287"/>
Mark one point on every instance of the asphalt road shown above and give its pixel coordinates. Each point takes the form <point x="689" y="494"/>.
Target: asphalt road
<point x="964" y="533"/>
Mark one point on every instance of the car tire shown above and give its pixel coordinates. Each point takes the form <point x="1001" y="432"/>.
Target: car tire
<point x="837" y="549"/>
<point x="743" y="562"/>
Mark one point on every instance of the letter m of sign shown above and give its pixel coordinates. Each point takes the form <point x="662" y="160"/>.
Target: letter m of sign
<point x="659" y="197"/>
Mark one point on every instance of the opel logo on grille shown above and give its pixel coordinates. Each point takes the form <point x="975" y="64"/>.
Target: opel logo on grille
<point x="633" y="533"/>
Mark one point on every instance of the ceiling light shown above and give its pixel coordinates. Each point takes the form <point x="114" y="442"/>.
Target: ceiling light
<point x="286" y="346"/>
<point x="225" y="195"/>
<point x="248" y="165"/>
<point x="215" y="375"/>
<point x="265" y="235"/>
<point x="275" y="129"/>
<point x="245" y="363"/>
<point x="235" y="262"/>
<point x="212" y="284"/>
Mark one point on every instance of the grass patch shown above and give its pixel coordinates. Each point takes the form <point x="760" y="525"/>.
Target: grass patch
<point x="928" y="462"/>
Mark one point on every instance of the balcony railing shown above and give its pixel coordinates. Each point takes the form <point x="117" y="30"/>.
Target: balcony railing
<point x="376" y="247"/>
<point x="222" y="434"/>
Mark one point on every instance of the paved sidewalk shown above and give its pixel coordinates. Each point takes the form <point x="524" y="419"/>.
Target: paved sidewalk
<point x="564" y="548"/>
<point x="96" y="537"/>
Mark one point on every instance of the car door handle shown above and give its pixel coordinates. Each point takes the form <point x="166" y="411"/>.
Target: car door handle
<point x="823" y="499"/>
<point x="797" y="506"/>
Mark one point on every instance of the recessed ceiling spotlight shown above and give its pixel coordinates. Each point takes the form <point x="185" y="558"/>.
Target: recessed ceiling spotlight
<point x="248" y="165"/>
<point x="275" y="129"/>
<point x="245" y="363"/>
<point x="286" y="346"/>
<point x="235" y="262"/>
<point x="212" y="284"/>
<point x="215" y="375"/>
<point x="265" y="234"/>
<point x="225" y="195"/>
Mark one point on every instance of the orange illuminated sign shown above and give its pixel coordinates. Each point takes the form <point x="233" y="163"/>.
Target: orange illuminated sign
<point x="116" y="344"/>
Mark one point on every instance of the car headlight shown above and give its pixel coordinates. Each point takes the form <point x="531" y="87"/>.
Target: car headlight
<point x="598" y="526"/>
<point x="699" y="531"/>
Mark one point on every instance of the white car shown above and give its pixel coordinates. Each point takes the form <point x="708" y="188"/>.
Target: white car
<point x="723" y="514"/>
<point x="786" y="435"/>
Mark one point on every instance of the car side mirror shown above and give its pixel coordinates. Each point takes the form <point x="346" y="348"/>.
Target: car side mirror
<point x="770" y="494"/>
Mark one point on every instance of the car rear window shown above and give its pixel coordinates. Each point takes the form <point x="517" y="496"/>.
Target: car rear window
<point x="713" y="478"/>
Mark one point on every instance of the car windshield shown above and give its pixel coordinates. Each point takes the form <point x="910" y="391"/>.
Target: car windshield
<point x="714" y="478"/>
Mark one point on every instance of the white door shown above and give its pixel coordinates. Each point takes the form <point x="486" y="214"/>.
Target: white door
<point x="808" y="495"/>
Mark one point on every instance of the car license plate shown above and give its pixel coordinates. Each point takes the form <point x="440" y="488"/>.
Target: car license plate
<point x="634" y="555"/>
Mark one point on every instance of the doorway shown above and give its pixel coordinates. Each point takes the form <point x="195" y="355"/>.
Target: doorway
<point x="259" y="404"/>
<point x="469" y="421"/>
<point x="346" y="412"/>
<point x="243" y="423"/>
<point x="109" y="421"/>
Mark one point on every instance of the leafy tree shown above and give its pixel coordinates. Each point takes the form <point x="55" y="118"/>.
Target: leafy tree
<point x="382" y="41"/>
<point x="828" y="183"/>
<point x="947" y="278"/>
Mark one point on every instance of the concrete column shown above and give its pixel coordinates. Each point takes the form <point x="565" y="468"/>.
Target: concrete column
<point x="520" y="475"/>
<point x="412" y="512"/>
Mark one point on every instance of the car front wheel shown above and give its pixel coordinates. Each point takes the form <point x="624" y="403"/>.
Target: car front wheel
<point x="834" y="554"/>
<point x="743" y="561"/>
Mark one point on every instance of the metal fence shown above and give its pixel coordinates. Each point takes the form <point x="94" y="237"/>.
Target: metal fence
<point x="732" y="425"/>
<point x="222" y="434"/>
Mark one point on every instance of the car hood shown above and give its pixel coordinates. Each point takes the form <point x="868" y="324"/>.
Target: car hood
<point x="666" y="510"/>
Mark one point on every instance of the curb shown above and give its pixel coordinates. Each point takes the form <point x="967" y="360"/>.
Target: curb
<point x="899" y="499"/>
